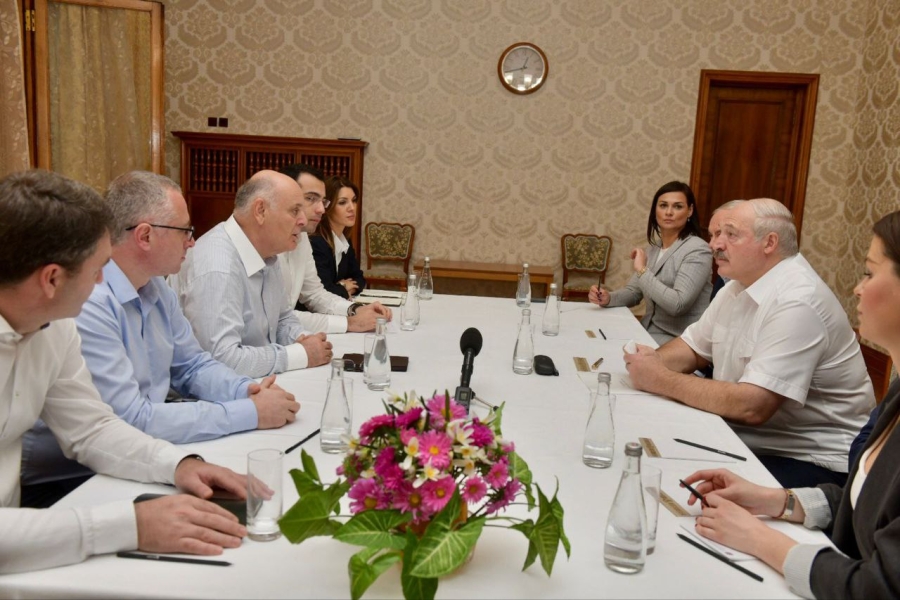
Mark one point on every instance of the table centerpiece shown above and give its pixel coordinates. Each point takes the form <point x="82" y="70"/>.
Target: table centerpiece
<point x="423" y="480"/>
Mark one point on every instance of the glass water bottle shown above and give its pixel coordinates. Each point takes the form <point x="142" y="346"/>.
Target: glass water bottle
<point x="600" y="434"/>
<point x="624" y="549"/>
<point x="523" y="355"/>
<point x="426" y="286"/>
<point x="523" y="292"/>
<point x="409" y="312"/>
<point x="550" y="322"/>
<point x="377" y="362"/>
<point x="336" y="415"/>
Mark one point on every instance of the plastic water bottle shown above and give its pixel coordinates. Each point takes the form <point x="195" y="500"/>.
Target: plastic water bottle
<point x="336" y="415"/>
<point x="600" y="434"/>
<point x="523" y="355"/>
<point x="377" y="363"/>
<point x="550" y="323"/>
<point x="624" y="549"/>
<point x="523" y="292"/>
<point x="426" y="286"/>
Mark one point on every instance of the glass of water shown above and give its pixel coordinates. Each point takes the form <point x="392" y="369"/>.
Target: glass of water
<point x="264" y="506"/>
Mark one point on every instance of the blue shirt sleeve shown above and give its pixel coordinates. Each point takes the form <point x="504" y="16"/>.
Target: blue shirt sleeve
<point x="103" y="328"/>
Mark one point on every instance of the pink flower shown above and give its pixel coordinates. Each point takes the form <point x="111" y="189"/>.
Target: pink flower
<point x="437" y="409"/>
<point x="406" y="435"/>
<point x="474" y="489"/>
<point x="372" y="425"/>
<point x="509" y="447"/>
<point x="366" y="495"/>
<point x="387" y="469"/>
<point x="434" y="448"/>
<point x="409" y="418"/>
<point x="409" y="500"/>
<point x="481" y="434"/>
<point x="436" y="494"/>
<point x="507" y="495"/>
<point x="498" y="475"/>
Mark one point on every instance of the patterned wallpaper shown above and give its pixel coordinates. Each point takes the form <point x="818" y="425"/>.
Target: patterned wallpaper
<point x="485" y="175"/>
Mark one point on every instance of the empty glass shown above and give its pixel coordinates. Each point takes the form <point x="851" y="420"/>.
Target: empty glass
<point x="264" y="473"/>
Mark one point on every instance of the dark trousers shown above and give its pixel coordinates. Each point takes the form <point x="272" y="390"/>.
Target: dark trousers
<point x="45" y="495"/>
<point x="793" y="473"/>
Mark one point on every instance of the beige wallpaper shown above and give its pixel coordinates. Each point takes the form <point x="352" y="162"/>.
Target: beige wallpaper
<point x="485" y="175"/>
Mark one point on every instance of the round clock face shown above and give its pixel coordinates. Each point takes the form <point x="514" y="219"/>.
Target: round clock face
<point x="522" y="68"/>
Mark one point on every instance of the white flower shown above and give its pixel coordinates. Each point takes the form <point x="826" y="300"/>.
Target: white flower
<point x="428" y="473"/>
<point x="467" y="465"/>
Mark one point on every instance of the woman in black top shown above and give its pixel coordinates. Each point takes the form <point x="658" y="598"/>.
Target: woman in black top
<point x="336" y="262"/>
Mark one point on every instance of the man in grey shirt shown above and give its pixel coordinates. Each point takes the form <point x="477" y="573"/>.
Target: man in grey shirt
<point x="231" y="287"/>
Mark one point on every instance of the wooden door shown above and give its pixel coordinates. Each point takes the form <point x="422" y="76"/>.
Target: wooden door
<point x="752" y="139"/>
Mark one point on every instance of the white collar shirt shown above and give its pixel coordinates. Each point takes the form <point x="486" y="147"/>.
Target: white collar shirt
<point x="788" y="333"/>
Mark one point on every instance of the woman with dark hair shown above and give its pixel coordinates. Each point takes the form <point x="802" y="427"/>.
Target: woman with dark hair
<point x="673" y="274"/>
<point x="864" y="515"/>
<point x="336" y="262"/>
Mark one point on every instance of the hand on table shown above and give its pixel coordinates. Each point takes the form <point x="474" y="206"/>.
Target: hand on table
<point x="598" y="296"/>
<point x="318" y="349"/>
<point x="350" y="285"/>
<point x="364" y="319"/>
<point x="646" y="369"/>
<point x="756" y="499"/>
<point x="274" y="406"/>
<point x="183" y="523"/>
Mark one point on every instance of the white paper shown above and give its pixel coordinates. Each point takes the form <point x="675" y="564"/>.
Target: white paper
<point x="384" y="301"/>
<point x="730" y="553"/>
<point x="382" y="293"/>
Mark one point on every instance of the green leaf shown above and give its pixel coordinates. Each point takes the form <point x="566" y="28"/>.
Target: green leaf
<point x="440" y="553"/>
<point x="364" y="571"/>
<point x="445" y="519"/>
<point x="527" y="527"/>
<point x="304" y="483"/>
<point x="546" y="533"/>
<point x="309" y="465"/>
<point x="309" y="516"/>
<point x="518" y="469"/>
<point x="372" y="528"/>
<point x="557" y="510"/>
<point x="415" y="587"/>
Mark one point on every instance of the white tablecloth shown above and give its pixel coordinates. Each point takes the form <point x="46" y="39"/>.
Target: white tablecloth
<point x="545" y="416"/>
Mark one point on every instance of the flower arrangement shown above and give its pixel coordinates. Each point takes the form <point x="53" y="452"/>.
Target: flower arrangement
<point x="423" y="481"/>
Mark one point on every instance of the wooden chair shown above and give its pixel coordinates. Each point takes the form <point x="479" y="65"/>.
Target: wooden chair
<point x="585" y="259"/>
<point x="878" y="364"/>
<point x="388" y="250"/>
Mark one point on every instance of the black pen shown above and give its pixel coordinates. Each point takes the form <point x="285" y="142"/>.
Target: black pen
<point x="694" y="492"/>
<point x="601" y="333"/>
<point x="303" y="441"/>
<point x="176" y="559"/>
<point x="724" y="559"/>
<point x="707" y="448"/>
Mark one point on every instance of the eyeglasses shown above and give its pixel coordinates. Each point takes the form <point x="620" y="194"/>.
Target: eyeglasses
<point x="315" y="198"/>
<point x="188" y="230"/>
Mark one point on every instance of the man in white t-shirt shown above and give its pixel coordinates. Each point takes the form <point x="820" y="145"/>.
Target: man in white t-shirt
<point x="54" y="242"/>
<point x="788" y="372"/>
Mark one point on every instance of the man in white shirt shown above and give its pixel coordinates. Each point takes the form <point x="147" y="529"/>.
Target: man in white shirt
<point x="788" y="371"/>
<point x="231" y="287"/>
<point x="324" y="311"/>
<point x="54" y="242"/>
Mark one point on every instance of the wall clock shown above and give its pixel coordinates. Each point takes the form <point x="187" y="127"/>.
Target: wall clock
<point x="523" y="68"/>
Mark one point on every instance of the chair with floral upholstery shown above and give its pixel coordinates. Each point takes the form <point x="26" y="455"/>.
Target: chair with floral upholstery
<point x="585" y="258"/>
<point x="388" y="250"/>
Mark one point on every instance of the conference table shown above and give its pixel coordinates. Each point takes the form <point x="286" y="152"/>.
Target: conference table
<point x="544" y="415"/>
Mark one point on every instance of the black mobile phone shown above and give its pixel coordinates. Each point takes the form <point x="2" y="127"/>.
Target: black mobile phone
<point x="353" y="363"/>
<point x="226" y="500"/>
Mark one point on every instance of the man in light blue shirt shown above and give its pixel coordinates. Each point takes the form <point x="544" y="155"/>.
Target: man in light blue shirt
<point x="138" y="345"/>
<point x="231" y="287"/>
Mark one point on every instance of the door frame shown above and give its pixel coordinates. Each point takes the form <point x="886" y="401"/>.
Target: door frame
<point x="806" y="83"/>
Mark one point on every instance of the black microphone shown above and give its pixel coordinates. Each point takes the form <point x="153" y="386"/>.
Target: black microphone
<point x="470" y="345"/>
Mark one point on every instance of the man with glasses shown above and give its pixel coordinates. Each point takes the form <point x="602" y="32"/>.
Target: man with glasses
<point x="54" y="242"/>
<point x="231" y="288"/>
<point x="325" y="311"/>
<point x="138" y="345"/>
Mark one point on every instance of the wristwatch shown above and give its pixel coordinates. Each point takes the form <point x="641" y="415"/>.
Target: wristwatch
<point x="351" y="312"/>
<point x="789" y="503"/>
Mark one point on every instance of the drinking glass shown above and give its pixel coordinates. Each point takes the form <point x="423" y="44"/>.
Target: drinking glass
<point x="651" y="480"/>
<point x="264" y="473"/>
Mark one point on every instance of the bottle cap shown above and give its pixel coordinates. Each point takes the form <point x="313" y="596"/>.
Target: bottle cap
<point x="337" y="363"/>
<point x="381" y="320"/>
<point x="526" y="312"/>
<point x="427" y="259"/>
<point x="633" y="449"/>
<point x="525" y="265"/>
<point x="604" y="377"/>
<point x="552" y="287"/>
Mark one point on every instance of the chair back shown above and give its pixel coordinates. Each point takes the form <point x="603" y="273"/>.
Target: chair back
<point x="585" y="259"/>
<point x="389" y="248"/>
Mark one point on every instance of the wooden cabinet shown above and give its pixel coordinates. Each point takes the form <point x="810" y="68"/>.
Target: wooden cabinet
<point x="214" y="165"/>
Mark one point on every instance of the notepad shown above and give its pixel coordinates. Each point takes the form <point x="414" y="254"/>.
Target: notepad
<point x="382" y="293"/>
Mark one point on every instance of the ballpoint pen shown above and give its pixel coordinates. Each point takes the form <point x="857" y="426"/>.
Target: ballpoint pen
<point x="597" y="363"/>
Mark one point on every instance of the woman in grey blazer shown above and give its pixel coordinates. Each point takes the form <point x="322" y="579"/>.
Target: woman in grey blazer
<point x="674" y="273"/>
